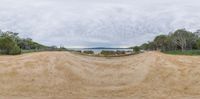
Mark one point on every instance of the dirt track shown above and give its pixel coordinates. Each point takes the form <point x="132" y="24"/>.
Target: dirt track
<point x="62" y="75"/>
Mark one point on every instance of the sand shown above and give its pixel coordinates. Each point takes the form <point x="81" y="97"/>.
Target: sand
<point x="63" y="75"/>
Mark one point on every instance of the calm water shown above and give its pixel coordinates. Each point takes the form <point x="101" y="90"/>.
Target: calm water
<point x="96" y="51"/>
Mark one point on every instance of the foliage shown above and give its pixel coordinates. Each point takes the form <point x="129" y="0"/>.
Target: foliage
<point x="15" y="50"/>
<point x="198" y="44"/>
<point x="161" y="42"/>
<point x="8" y="46"/>
<point x="25" y="44"/>
<point x="28" y="44"/>
<point x="136" y="49"/>
<point x="77" y="51"/>
<point x="12" y="44"/>
<point x="181" y="39"/>
<point x="108" y="53"/>
<point x="120" y="52"/>
<point x="144" y="46"/>
<point x="112" y="53"/>
<point x="88" y="52"/>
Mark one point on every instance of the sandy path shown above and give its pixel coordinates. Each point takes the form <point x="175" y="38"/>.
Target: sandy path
<point x="62" y="75"/>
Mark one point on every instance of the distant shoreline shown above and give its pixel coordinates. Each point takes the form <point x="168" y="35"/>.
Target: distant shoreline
<point x="99" y="48"/>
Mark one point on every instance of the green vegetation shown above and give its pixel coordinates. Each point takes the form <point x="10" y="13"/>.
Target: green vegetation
<point x="88" y="52"/>
<point x="136" y="49"/>
<point x="8" y="45"/>
<point x="179" y="42"/>
<point x="198" y="43"/>
<point x="104" y="53"/>
<point x="15" y="50"/>
<point x="113" y="53"/>
<point x="108" y="53"/>
<point x="186" y="52"/>
<point x="120" y="52"/>
<point x="12" y="44"/>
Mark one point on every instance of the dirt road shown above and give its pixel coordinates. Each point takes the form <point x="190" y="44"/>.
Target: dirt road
<point x="62" y="75"/>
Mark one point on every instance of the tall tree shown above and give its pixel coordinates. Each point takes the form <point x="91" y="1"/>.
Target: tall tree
<point x="183" y="38"/>
<point x="198" y="43"/>
<point x="161" y="42"/>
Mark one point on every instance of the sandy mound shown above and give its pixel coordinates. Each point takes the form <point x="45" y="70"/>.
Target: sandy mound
<point x="62" y="75"/>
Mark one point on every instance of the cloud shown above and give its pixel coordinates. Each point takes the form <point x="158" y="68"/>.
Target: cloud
<point x="92" y="23"/>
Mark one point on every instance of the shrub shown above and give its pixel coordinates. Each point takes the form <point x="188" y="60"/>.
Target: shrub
<point x="136" y="49"/>
<point x="9" y="46"/>
<point x="78" y="51"/>
<point x="120" y="52"/>
<point x="108" y="53"/>
<point x="15" y="50"/>
<point x="88" y="52"/>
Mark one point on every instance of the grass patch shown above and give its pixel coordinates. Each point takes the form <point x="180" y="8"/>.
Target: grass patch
<point x="186" y="52"/>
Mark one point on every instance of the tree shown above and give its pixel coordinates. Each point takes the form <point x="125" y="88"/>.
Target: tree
<point x="180" y="39"/>
<point x="197" y="32"/>
<point x="9" y="46"/>
<point x="144" y="46"/>
<point x="161" y="42"/>
<point x="152" y="46"/>
<point x="136" y="49"/>
<point x="198" y="43"/>
<point x="11" y="43"/>
<point x="169" y="44"/>
<point x="183" y="38"/>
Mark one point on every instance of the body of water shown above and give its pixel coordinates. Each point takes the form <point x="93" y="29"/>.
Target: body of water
<point x="96" y="51"/>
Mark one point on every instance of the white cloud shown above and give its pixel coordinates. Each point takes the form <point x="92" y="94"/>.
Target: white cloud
<point x="90" y="23"/>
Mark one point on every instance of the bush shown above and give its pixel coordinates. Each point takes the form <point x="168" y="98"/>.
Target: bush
<point x="136" y="49"/>
<point x="77" y="51"/>
<point x="88" y="52"/>
<point x="15" y="50"/>
<point x="120" y="52"/>
<point x="108" y="53"/>
<point x="9" y="46"/>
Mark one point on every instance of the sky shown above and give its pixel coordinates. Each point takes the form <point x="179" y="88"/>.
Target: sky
<point x="97" y="23"/>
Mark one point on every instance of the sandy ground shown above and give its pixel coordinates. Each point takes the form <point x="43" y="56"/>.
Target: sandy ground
<point x="62" y="75"/>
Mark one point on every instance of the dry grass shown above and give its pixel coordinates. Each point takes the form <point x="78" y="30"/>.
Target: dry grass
<point x="62" y="75"/>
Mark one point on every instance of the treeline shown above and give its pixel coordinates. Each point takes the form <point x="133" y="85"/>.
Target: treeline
<point x="181" y="39"/>
<point x="12" y="44"/>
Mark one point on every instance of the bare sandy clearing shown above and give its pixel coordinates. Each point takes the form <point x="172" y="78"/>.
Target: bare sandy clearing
<point x="62" y="75"/>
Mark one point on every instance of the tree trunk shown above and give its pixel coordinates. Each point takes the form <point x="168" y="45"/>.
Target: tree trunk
<point x="182" y="48"/>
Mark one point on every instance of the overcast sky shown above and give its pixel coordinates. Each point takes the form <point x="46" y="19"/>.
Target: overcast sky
<point x="95" y="23"/>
